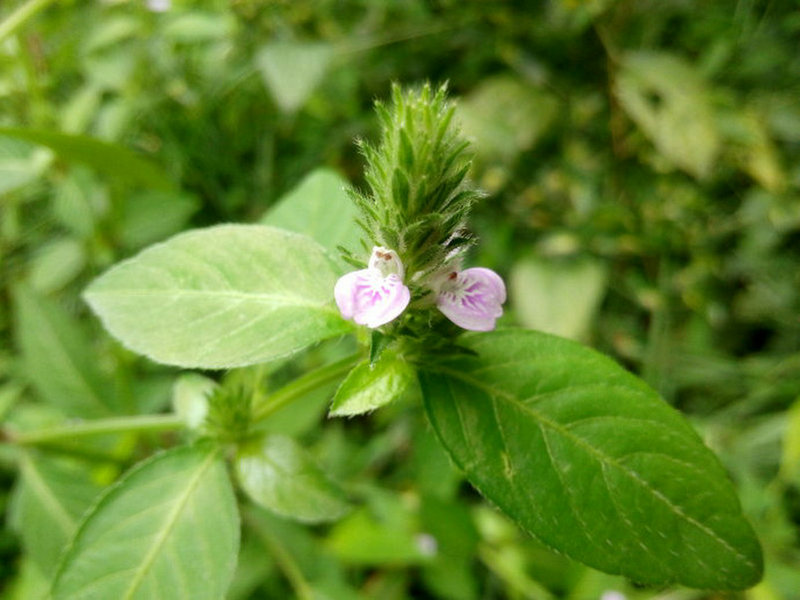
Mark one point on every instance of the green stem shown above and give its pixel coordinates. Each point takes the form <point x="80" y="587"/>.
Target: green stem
<point x="302" y="386"/>
<point x="139" y="424"/>
<point x="20" y="16"/>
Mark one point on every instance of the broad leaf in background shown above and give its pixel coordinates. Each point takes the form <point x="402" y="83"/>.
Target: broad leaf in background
<point x="50" y="498"/>
<point x="56" y="264"/>
<point x="168" y="530"/>
<point x="280" y="476"/>
<point x="112" y="160"/>
<point x="668" y="100"/>
<point x="298" y="548"/>
<point x="557" y="296"/>
<point x="587" y="458"/>
<point x="58" y="359"/>
<point x="385" y="532"/>
<point x="318" y="207"/>
<point x="148" y="216"/>
<point x="20" y="163"/>
<point x="226" y="296"/>
<point x="506" y="116"/>
<point x="370" y="386"/>
<point x="291" y="70"/>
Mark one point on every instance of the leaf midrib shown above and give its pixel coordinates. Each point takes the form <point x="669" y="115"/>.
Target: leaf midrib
<point x="598" y="454"/>
<point x="76" y="374"/>
<point x="266" y="297"/>
<point x="171" y="520"/>
<point x="64" y="519"/>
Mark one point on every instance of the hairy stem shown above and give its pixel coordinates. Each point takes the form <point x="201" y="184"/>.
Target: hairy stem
<point x="137" y="424"/>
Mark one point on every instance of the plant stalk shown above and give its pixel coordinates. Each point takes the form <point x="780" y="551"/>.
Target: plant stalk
<point x="138" y="424"/>
<point x="303" y="385"/>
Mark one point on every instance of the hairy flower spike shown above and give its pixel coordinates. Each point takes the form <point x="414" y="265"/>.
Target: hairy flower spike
<point x="472" y="298"/>
<point x="419" y="198"/>
<point x="375" y="295"/>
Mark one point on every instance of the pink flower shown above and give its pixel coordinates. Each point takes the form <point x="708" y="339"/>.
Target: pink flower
<point x="375" y="295"/>
<point x="471" y="298"/>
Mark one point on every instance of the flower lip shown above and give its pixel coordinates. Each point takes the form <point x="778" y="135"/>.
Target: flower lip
<point x="375" y="295"/>
<point x="472" y="298"/>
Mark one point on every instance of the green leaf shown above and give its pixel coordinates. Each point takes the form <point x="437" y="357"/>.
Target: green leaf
<point x="506" y="116"/>
<point x="190" y="394"/>
<point x="291" y="70"/>
<point x="56" y="264"/>
<point x="50" y="498"/>
<point x="278" y="474"/>
<point x="668" y="100"/>
<point x="20" y="163"/>
<point x="149" y="216"/>
<point x="226" y="296"/>
<point x="112" y="160"/>
<point x="587" y="458"/>
<point x="370" y="386"/>
<point x="318" y="207"/>
<point x="58" y="358"/>
<point x="168" y="530"/>
<point x="557" y="296"/>
<point x="384" y="534"/>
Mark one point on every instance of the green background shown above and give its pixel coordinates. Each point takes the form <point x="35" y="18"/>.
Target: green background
<point x="642" y="164"/>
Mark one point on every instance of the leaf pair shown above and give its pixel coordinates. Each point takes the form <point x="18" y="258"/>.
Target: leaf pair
<point x="580" y="453"/>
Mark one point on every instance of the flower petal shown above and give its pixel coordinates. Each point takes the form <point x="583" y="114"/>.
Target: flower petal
<point x="472" y="299"/>
<point x="370" y="299"/>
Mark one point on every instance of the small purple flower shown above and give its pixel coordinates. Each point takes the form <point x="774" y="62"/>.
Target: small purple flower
<point x="471" y="298"/>
<point x="375" y="295"/>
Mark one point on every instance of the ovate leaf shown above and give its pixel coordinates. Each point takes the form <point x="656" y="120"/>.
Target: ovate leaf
<point x="291" y="70"/>
<point x="20" y="163"/>
<point x="589" y="459"/>
<point x="227" y="296"/>
<point x="58" y="359"/>
<point x="320" y="208"/>
<point x="278" y="474"/>
<point x="668" y="100"/>
<point x="169" y="530"/>
<point x="107" y="158"/>
<point x="505" y="116"/>
<point x="370" y="386"/>
<point x="50" y="498"/>
<point x="557" y="296"/>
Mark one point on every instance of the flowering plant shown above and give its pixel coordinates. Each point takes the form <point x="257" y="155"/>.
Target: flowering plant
<point x="579" y="452"/>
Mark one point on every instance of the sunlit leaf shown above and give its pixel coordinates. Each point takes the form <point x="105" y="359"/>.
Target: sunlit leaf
<point x="169" y="530"/>
<point x="226" y="296"/>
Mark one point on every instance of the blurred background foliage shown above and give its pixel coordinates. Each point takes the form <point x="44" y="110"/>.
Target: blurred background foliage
<point x="642" y="164"/>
